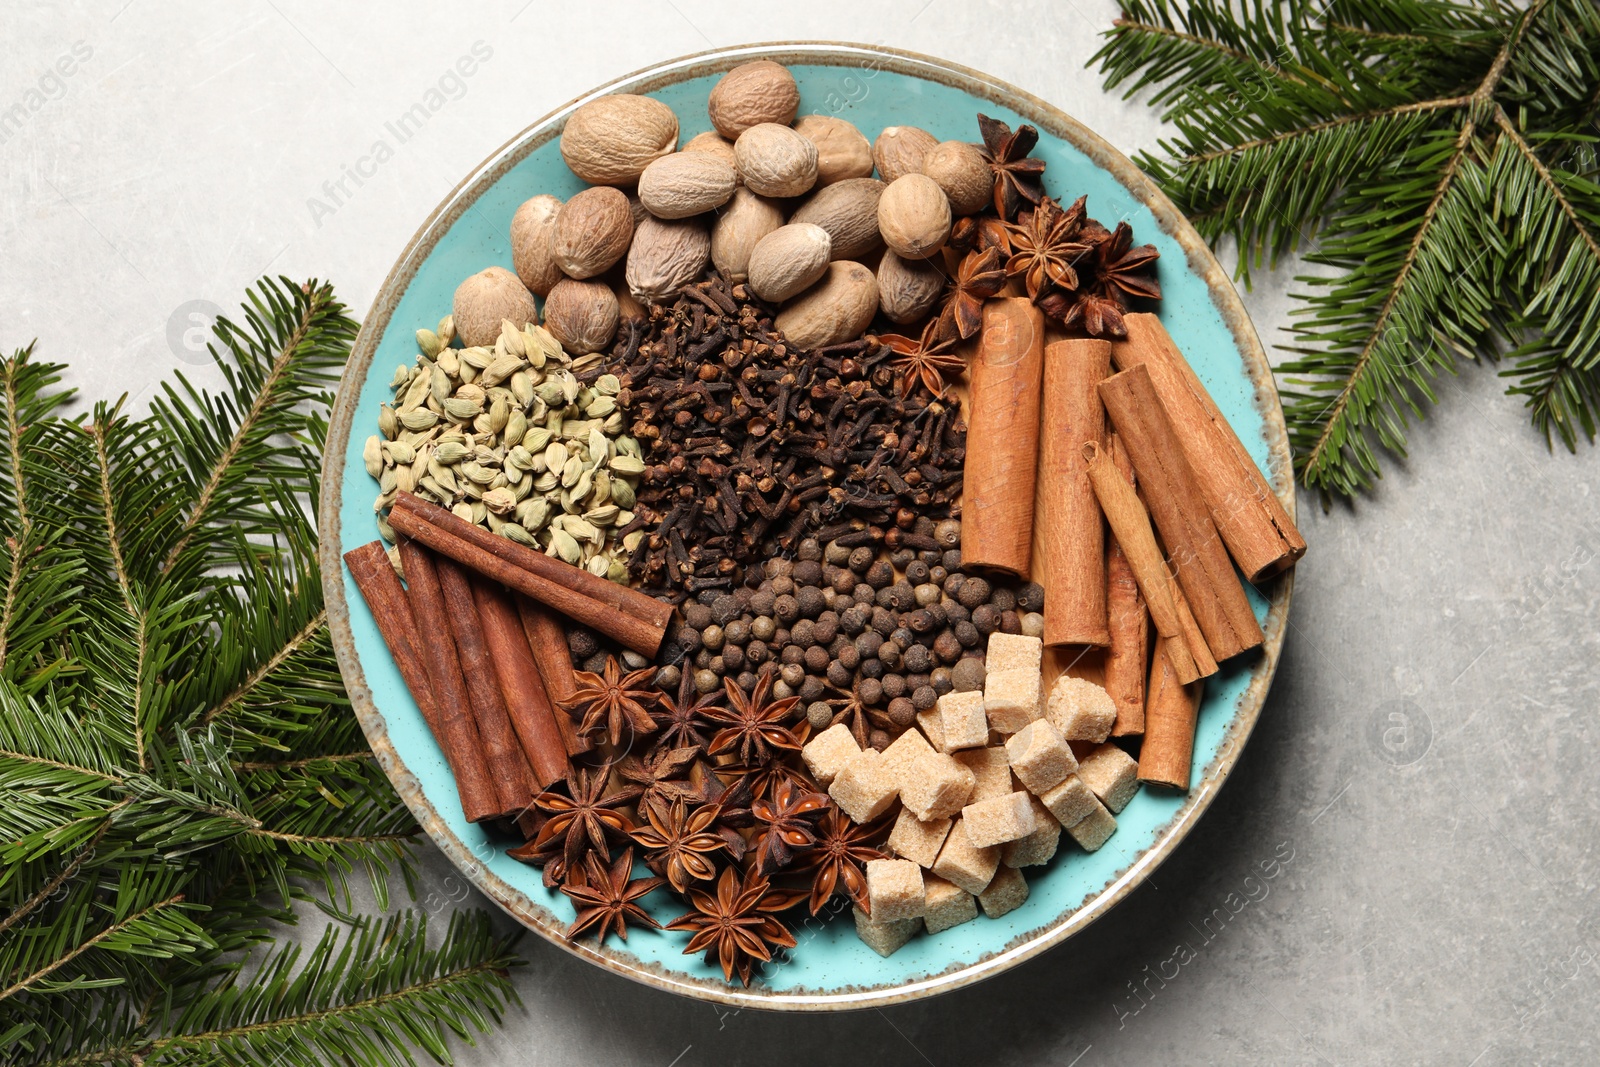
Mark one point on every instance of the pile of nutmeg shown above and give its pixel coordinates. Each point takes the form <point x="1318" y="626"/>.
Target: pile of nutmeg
<point x="787" y="206"/>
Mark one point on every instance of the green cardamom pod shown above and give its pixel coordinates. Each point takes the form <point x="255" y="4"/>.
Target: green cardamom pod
<point x="452" y="451"/>
<point x="608" y="385"/>
<point x="511" y="337"/>
<point x="401" y="379"/>
<point x="622" y="494"/>
<point x="372" y="456"/>
<point x="462" y="511"/>
<point x="477" y="357"/>
<point x="404" y="479"/>
<point x="463" y="410"/>
<point x="429" y="343"/>
<point x="600" y="407"/>
<point x="418" y="419"/>
<point x="400" y="451"/>
<point x="627" y="464"/>
<point x="516" y="533"/>
<point x="533" y="513"/>
<point x="564" y="547"/>
<point x="571" y="472"/>
<point x="449" y="361"/>
<point x="501" y="501"/>
<point x="604" y="515"/>
<point x="500" y="369"/>
<point x="499" y="415"/>
<point x="447" y="329"/>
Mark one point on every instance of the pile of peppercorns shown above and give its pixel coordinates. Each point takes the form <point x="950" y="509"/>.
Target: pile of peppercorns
<point x="887" y="630"/>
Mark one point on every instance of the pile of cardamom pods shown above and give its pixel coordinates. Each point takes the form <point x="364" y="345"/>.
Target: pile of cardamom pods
<point x="508" y="438"/>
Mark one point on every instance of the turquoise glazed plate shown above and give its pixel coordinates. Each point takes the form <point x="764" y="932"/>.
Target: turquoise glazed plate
<point x="874" y="88"/>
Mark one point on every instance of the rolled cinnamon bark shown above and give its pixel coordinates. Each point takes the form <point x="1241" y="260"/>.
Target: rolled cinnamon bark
<point x="456" y="731"/>
<point x="1166" y="755"/>
<point x="547" y="637"/>
<point x="1252" y="521"/>
<point x="630" y="617"/>
<point x="532" y="717"/>
<point x="1193" y="546"/>
<point x="386" y="599"/>
<point x="514" y="780"/>
<point x="1069" y="533"/>
<point x="1131" y="526"/>
<point x="1004" y="381"/>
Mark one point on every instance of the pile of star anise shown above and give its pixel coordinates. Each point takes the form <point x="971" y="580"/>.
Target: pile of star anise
<point x="1082" y="275"/>
<point x="711" y="793"/>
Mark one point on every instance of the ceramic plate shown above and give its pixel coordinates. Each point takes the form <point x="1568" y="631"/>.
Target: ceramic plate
<point x="873" y="88"/>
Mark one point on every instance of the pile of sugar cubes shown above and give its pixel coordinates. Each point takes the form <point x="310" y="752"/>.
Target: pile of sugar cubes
<point x="986" y="782"/>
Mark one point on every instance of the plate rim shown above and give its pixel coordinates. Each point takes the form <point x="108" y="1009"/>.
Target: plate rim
<point x="1224" y="297"/>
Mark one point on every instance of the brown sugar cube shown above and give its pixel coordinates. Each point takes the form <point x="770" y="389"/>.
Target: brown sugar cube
<point x="918" y="841"/>
<point x="1040" y="757"/>
<point x="962" y="721"/>
<point x="828" y="752"/>
<point x="1092" y="830"/>
<point x="894" y="890"/>
<point x="948" y="905"/>
<point x="1070" y="801"/>
<point x="928" y="723"/>
<point x="902" y="750"/>
<point x="1111" y="774"/>
<point x="934" y="786"/>
<point x="1081" y="710"/>
<point x="1007" y="892"/>
<point x="885" y="938"/>
<point x="992" y="769"/>
<point x="1039" y="847"/>
<point x="998" y="820"/>
<point x="1013" y="652"/>
<point x="1011" y="699"/>
<point x="865" y="788"/>
<point x="966" y="865"/>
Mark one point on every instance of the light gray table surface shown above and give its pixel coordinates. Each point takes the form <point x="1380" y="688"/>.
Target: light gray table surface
<point x="1424" y="769"/>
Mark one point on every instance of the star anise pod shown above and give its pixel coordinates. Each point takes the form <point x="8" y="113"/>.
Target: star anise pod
<point x="660" y="774"/>
<point x="763" y="777"/>
<point x="979" y="233"/>
<point x="732" y="802"/>
<point x="930" y="361"/>
<point x="683" y="721"/>
<point x="1111" y="276"/>
<point x="1045" y="247"/>
<point x="851" y="710"/>
<point x="679" y="843"/>
<point x="604" y="899"/>
<point x="980" y="275"/>
<point x="1017" y="176"/>
<point x="585" y="819"/>
<point x="753" y="723"/>
<point x="785" y="825"/>
<point x="839" y="858"/>
<point x="735" y="927"/>
<point x="605" y="701"/>
<point x="549" y="856"/>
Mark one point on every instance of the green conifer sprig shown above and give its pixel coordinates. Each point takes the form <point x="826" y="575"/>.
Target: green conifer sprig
<point x="1436" y="158"/>
<point x="178" y="764"/>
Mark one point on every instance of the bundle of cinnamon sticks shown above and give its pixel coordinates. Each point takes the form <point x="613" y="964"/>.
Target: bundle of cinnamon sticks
<point x="1061" y="450"/>
<point x="478" y="633"/>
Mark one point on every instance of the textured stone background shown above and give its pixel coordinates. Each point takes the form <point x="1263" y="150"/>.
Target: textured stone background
<point x="1424" y="769"/>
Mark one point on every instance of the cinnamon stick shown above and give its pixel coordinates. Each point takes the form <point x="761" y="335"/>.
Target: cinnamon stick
<point x="629" y="617"/>
<point x="456" y="732"/>
<point x="1004" y="381"/>
<point x="1131" y="526"/>
<point x="386" y="599"/>
<point x="1166" y="755"/>
<point x="1069" y="533"/>
<point x="1247" y="513"/>
<point x="1192" y="635"/>
<point x="513" y="779"/>
<point x="1196" y="551"/>
<point x="532" y="717"/>
<point x="553" y="657"/>
<point x="1127" y="658"/>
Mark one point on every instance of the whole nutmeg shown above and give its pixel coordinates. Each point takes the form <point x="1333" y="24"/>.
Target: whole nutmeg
<point x="848" y="210"/>
<point x="666" y="255"/>
<point x="842" y="150"/>
<point x="775" y="161"/>
<point x="611" y="140"/>
<point x="914" y="216"/>
<point x="836" y="309"/>
<point x="908" y="288"/>
<point x="751" y="94"/>
<point x="739" y="228"/>
<point x="530" y="243"/>
<point x="898" y="151"/>
<point x="710" y="143"/>
<point x="487" y="298"/>
<point x="961" y="171"/>
<point x="786" y="261"/>
<point x="592" y="232"/>
<point x="685" y="184"/>
<point x="582" y="315"/>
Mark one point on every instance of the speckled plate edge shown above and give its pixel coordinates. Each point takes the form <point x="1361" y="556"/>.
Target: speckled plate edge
<point x="1047" y="118"/>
